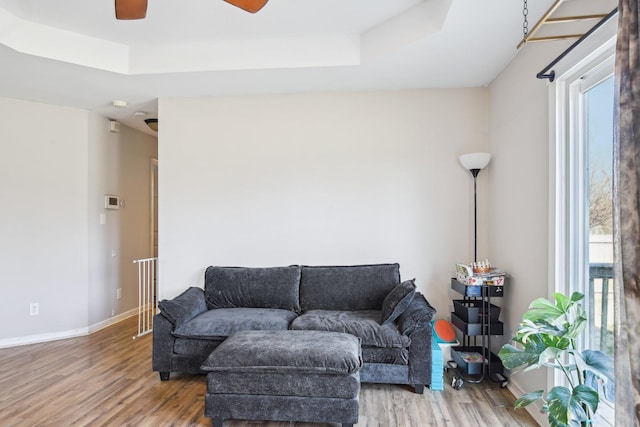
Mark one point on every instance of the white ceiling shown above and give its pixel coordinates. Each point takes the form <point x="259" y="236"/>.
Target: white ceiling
<point x="75" y="53"/>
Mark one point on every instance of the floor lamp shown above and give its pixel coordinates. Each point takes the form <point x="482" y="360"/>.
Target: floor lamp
<point x="474" y="163"/>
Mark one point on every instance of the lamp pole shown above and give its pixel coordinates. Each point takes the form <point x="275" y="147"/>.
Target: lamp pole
<point x="475" y="173"/>
<point x="474" y="163"/>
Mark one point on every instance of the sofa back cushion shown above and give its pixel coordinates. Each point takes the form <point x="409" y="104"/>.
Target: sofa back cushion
<point x="240" y="287"/>
<point x="358" y="287"/>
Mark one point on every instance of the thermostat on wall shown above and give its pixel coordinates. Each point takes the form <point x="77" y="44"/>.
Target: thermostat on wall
<point x="111" y="202"/>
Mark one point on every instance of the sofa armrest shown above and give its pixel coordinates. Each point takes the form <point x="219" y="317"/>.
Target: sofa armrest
<point x="417" y="316"/>
<point x="163" y="340"/>
<point x="416" y="323"/>
<point x="184" y="307"/>
<point x="420" y="357"/>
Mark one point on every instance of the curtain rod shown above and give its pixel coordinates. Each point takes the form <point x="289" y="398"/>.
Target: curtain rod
<point x="544" y="74"/>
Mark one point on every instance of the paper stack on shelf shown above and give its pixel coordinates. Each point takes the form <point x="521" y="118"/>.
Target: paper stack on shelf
<point x="471" y="356"/>
<point x="491" y="276"/>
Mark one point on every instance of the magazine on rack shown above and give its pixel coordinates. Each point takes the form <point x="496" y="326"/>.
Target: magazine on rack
<point x="466" y="271"/>
<point x="471" y="356"/>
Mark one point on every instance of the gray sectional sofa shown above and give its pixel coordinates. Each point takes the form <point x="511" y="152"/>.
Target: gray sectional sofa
<point x="391" y="319"/>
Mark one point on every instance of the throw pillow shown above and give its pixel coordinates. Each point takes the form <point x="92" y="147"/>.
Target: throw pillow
<point x="397" y="301"/>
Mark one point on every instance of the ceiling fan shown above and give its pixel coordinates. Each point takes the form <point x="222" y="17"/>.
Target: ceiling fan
<point x="137" y="9"/>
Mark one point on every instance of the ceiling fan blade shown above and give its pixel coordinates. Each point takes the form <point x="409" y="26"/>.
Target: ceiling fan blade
<point x="131" y="9"/>
<point x="251" y="6"/>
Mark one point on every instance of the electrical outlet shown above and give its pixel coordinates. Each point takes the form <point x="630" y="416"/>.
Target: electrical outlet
<point x="34" y="309"/>
<point x="119" y="293"/>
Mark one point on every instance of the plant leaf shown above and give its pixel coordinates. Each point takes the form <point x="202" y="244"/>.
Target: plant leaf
<point x="529" y="355"/>
<point x="546" y="330"/>
<point x="559" y="399"/>
<point x="549" y="354"/>
<point x="542" y="308"/>
<point x="576" y="296"/>
<point x="586" y="394"/>
<point x="562" y="302"/>
<point x="565" y="406"/>
<point x="598" y="363"/>
<point x="528" y="399"/>
<point x="542" y="336"/>
<point x="553" y="422"/>
<point x="576" y="327"/>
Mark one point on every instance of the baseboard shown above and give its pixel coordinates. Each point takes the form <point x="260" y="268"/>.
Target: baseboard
<point x="535" y="410"/>
<point x="38" y="338"/>
<point x="54" y="336"/>
<point x="113" y="320"/>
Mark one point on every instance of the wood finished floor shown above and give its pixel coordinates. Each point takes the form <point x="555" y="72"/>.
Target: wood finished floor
<point x="105" y="379"/>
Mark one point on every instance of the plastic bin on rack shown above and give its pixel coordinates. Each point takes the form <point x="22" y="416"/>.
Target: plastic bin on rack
<point x="473" y="365"/>
<point x="471" y="311"/>
<point x="476" y="291"/>
<point x="475" y="329"/>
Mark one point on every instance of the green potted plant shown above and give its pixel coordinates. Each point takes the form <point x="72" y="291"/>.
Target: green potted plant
<point x="547" y="337"/>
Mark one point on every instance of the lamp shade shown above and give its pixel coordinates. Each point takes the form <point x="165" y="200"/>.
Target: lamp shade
<point x="475" y="160"/>
<point x="152" y="123"/>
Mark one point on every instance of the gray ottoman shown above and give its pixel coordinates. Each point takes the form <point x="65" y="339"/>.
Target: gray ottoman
<point x="308" y="376"/>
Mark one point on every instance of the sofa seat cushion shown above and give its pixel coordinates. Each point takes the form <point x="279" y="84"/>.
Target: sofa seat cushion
<point x="364" y="324"/>
<point x="195" y="346"/>
<point x="392" y="355"/>
<point x="281" y="352"/>
<point x="224" y="322"/>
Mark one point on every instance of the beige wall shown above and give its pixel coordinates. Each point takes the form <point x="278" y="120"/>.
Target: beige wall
<point x="43" y="219"/>
<point x="120" y="165"/>
<point x="519" y="188"/>
<point x="333" y="178"/>
<point x="56" y="165"/>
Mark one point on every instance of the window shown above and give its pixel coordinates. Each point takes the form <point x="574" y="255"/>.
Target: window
<point x="583" y="217"/>
<point x="598" y="138"/>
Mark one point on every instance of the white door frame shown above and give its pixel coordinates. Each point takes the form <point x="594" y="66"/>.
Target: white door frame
<point x="153" y="190"/>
